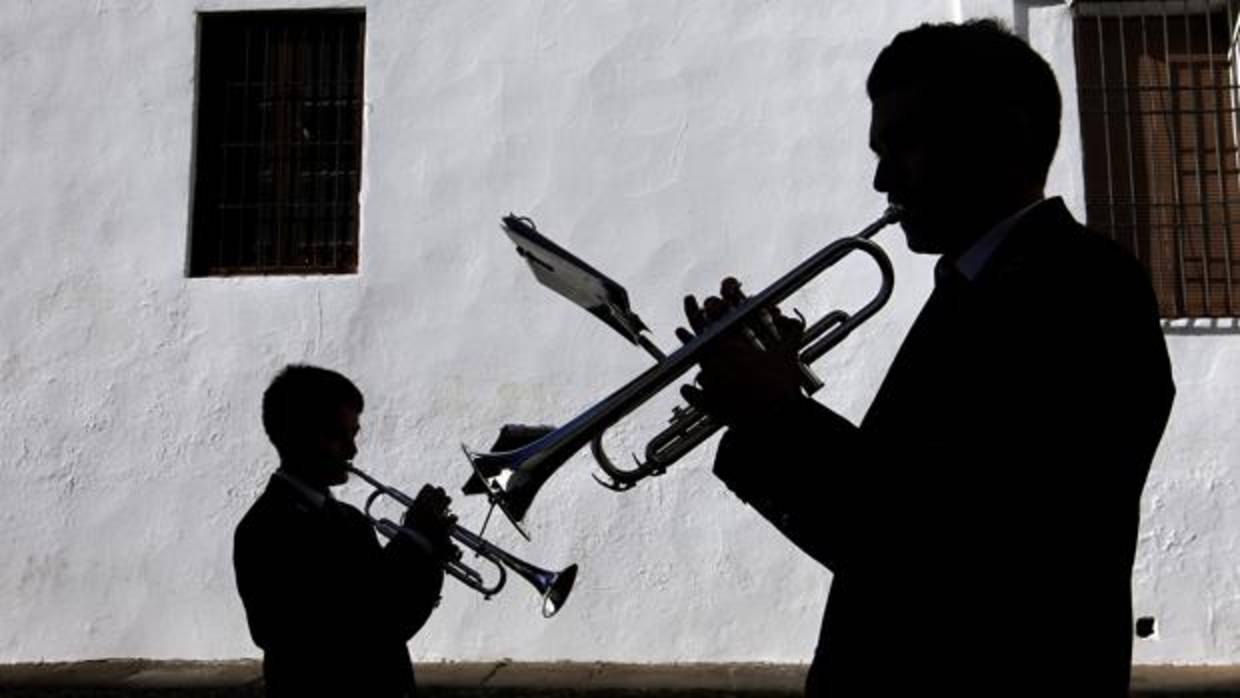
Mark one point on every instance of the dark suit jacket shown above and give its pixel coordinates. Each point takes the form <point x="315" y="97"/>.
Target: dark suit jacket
<point x="331" y="609"/>
<point x="981" y="522"/>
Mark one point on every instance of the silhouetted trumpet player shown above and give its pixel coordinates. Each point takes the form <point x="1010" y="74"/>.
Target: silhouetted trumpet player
<point x="981" y="520"/>
<point x="329" y="607"/>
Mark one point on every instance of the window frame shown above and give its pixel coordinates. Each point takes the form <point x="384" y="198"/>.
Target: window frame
<point x="296" y="208"/>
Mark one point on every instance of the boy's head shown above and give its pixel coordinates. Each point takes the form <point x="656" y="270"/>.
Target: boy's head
<point x="311" y="416"/>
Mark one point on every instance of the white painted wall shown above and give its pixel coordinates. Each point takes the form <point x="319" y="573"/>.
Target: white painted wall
<point x="668" y="141"/>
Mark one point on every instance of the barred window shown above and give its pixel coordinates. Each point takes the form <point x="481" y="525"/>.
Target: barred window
<point x="1157" y="83"/>
<point x="278" y="156"/>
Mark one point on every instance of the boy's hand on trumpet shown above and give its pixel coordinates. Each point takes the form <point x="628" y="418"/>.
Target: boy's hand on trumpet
<point x="429" y="516"/>
<point x="749" y="373"/>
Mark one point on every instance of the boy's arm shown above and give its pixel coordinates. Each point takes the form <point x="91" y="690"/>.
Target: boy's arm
<point x="414" y="579"/>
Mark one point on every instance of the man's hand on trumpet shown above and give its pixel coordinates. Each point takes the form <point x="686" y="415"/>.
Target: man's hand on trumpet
<point x="753" y="371"/>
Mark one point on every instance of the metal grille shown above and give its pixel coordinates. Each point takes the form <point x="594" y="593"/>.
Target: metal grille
<point x="279" y="143"/>
<point x="1157" y="91"/>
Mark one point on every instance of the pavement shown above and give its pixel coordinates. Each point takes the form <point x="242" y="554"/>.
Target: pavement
<point x="115" y="678"/>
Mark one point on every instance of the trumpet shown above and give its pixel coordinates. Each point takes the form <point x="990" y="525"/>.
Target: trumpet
<point x="553" y="586"/>
<point x="527" y="468"/>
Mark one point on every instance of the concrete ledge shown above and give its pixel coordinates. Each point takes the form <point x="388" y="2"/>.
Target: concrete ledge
<point x="590" y="677"/>
<point x="131" y="673"/>
<point x="243" y="678"/>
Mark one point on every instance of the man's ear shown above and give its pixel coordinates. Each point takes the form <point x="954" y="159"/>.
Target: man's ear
<point x="1022" y="134"/>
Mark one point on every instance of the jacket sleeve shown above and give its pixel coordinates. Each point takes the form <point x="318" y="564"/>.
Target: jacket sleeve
<point x="415" y="580"/>
<point x="788" y="468"/>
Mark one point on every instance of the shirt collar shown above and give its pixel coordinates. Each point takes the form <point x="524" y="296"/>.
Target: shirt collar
<point x="974" y="259"/>
<point x="316" y="498"/>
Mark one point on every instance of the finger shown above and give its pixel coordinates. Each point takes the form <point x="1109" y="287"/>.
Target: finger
<point x="791" y="330"/>
<point x="714" y="308"/>
<point x="754" y="339"/>
<point x="731" y="292"/>
<point x="685" y="336"/>
<point x="701" y="379"/>
<point x="786" y="323"/>
<point x="766" y="329"/>
<point x="697" y="320"/>
<point x="695" y="397"/>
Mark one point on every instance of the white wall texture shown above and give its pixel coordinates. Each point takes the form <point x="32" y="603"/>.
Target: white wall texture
<point x="670" y="142"/>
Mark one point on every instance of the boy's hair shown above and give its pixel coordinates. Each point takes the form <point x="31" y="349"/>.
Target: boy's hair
<point x="975" y="67"/>
<point x="302" y="397"/>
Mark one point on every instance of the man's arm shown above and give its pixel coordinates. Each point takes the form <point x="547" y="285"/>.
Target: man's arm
<point x="789" y="467"/>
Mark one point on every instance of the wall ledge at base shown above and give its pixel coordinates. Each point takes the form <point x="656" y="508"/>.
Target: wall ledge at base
<point x="602" y="676"/>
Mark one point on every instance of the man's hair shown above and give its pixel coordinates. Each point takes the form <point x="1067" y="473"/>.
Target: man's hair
<point x="976" y="67"/>
<point x="302" y="397"/>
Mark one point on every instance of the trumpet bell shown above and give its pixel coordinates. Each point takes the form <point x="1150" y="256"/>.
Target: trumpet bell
<point x="518" y="459"/>
<point x="557" y="590"/>
<point x="513" y="497"/>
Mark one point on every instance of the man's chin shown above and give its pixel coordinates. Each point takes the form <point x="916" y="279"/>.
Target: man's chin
<point x="914" y="235"/>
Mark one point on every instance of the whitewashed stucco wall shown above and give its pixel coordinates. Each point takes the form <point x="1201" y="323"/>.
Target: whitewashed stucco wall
<point x="669" y="141"/>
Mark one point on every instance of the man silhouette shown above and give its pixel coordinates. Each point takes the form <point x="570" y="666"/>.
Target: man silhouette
<point x="330" y="608"/>
<point x="981" y="521"/>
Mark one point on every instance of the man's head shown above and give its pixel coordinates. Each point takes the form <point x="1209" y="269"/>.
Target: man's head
<point x="310" y="415"/>
<point x="965" y="123"/>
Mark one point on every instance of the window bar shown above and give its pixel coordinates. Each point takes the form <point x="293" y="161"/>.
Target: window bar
<point x="243" y="199"/>
<point x="1128" y="96"/>
<point x="262" y="206"/>
<point x="359" y="91"/>
<point x="1232" y="27"/>
<point x="341" y="94"/>
<point x="320" y="135"/>
<point x="281" y="141"/>
<point x="303" y="197"/>
<point x="1198" y="159"/>
<point x="297" y="212"/>
<point x="1173" y="125"/>
<point x="1106" y="127"/>
<point x="337" y="98"/>
<point x="307" y="122"/>
<point x="1233" y="74"/>
<point x="222" y="173"/>
<point x="1218" y="153"/>
<point x="1149" y="123"/>
<point x="306" y="145"/>
<point x="299" y="100"/>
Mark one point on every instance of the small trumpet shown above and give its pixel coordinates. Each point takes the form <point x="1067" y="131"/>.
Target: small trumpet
<point x="553" y="586"/>
<point x="531" y="465"/>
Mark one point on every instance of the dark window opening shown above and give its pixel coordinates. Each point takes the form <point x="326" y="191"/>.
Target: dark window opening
<point x="279" y="136"/>
<point x="1157" y="90"/>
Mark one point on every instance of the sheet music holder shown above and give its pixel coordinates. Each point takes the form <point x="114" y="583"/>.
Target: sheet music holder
<point x="566" y="274"/>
